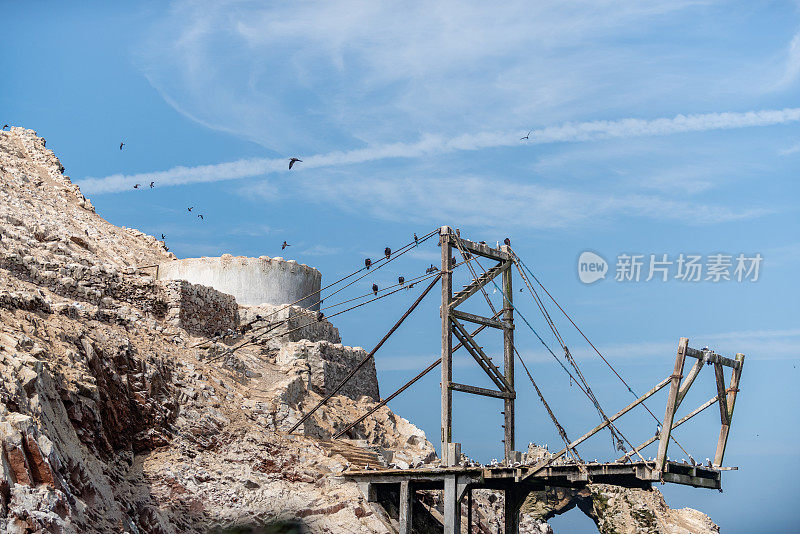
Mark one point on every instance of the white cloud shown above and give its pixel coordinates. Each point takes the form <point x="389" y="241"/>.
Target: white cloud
<point x="792" y="67"/>
<point x="794" y="149"/>
<point x="286" y="74"/>
<point x="436" y="144"/>
<point x="321" y="250"/>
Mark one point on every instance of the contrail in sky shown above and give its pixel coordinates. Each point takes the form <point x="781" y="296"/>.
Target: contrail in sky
<point x="435" y="144"/>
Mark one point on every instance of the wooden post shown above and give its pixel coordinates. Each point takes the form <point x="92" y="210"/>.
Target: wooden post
<point x="469" y="510"/>
<point x="510" y="511"/>
<point x="447" y="340"/>
<point x="672" y="401"/>
<point x="730" y="401"/>
<point x="406" y="507"/>
<point x="508" y="358"/>
<point x="452" y="508"/>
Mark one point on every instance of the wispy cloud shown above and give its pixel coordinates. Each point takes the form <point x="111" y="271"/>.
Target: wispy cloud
<point x="436" y="144"/>
<point x="251" y="230"/>
<point x="321" y="250"/>
<point x="792" y="68"/>
<point x="794" y="149"/>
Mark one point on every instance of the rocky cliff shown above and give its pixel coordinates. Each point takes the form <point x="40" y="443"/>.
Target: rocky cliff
<point x="122" y="411"/>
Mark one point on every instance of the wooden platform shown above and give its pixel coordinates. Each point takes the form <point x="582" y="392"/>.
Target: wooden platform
<point x="516" y="482"/>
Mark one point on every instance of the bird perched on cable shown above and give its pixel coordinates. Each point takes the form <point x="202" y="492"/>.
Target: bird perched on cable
<point x="121" y="145"/>
<point x="416" y="239"/>
<point x="387" y="252"/>
<point x="190" y="209"/>
<point x="152" y="185"/>
<point x="285" y="244"/>
<point x="375" y="289"/>
<point x="293" y="161"/>
<point x="431" y="269"/>
<point x="137" y="186"/>
<point x="527" y="136"/>
<point x="507" y="241"/>
<point x="200" y="215"/>
<point x="367" y="263"/>
<point x="401" y="280"/>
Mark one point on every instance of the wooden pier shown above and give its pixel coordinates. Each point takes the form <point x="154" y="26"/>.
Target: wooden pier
<point x="457" y="484"/>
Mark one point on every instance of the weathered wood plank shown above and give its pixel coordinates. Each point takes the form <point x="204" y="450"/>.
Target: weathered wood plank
<point x="482" y="391"/>
<point x="669" y="414"/>
<point x="478" y="319"/>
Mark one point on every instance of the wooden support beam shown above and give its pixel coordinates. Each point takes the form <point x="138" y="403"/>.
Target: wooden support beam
<point x="476" y="285"/>
<point x="508" y="357"/>
<point x="688" y="381"/>
<point x="406" y="507"/>
<point x="483" y="360"/>
<point x="482" y="391"/>
<point x="480" y="249"/>
<point x="511" y="511"/>
<point x="447" y="337"/>
<point x="477" y="319"/>
<point x="672" y="399"/>
<point x="730" y="403"/>
<point x="452" y="506"/>
<point x="712" y="357"/>
<point x="723" y="399"/>
<point x="675" y="425"/>
<point x="469" y="510"/>
<point x="614" y="417"/>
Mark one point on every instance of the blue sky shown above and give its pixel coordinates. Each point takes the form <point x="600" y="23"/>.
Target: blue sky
<point x="658" y="128"/>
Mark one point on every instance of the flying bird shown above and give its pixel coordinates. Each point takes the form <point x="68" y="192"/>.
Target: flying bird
<point x="387" y="252"/>
<point x="163" y="236"/>
<point x="528" y="136"/>
<point x="190" y="209"/>
<point x="293" y="161"/>
<point x="375" y="289"/>
<point x="401" y="280"/>
<point x="5" y="126"/>
<point x="285" y="244"/>
<point x="201" y="216"/>
<point x="137" y="186"/>
<point x="121" y="145"/>
<point x="152" y="185"/>
<point x="367" y="263"/>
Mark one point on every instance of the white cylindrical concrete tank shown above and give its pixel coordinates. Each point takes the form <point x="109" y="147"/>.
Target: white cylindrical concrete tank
<point x="252" y="281"/>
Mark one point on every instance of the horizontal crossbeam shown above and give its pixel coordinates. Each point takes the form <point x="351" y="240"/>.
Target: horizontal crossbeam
<point x="482" y="391"/>
<point x="480" y="249"/>
<point x="477" y="319"/>
<point x="712" y="357"/>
